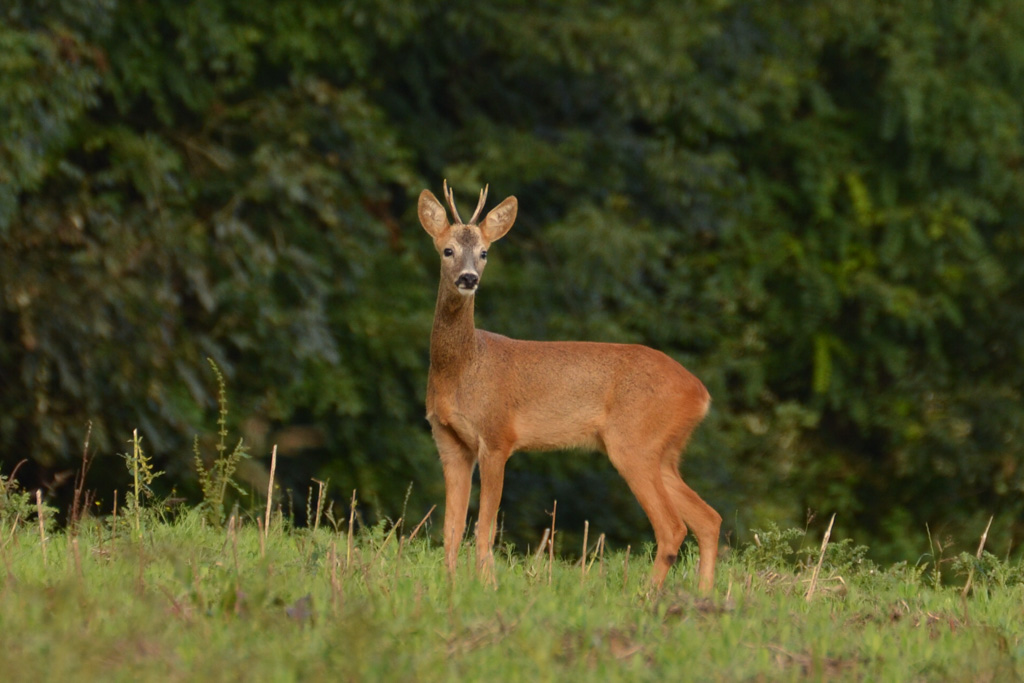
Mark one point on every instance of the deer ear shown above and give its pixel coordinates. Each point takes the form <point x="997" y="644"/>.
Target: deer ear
<point x="500" y="219"/>
<point x="432" y="215"/>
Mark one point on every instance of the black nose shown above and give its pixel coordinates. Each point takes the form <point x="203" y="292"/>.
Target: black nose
<point x="467" y="281"/>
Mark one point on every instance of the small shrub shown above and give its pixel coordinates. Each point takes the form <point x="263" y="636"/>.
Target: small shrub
<point x="842" y="556"/>
<point x="773" y="547"/>
<point x="16" y="504"/>
<point x="988" y="570"/>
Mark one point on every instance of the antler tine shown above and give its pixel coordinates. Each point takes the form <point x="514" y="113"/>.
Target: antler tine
<point x="450" y="196"/>
<point x="479" y="205"/>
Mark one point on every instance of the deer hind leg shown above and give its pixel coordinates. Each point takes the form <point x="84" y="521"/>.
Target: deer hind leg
<point x="457" y="462"/>
<point x="700" y="517"/>
<point x="647" y="484"/>
<point x="492" y="481"/>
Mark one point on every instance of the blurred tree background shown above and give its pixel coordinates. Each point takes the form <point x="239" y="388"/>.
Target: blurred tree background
<point x="816" y="207"/>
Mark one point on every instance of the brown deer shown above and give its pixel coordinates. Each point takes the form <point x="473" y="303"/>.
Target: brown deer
<point x="488" y="395"/>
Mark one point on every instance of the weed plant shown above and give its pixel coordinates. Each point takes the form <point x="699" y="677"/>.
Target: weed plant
<point x="143" y="475"/>
<point x="216" y="479"/>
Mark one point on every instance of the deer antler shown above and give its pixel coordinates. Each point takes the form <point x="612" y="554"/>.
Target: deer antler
<point x="479" y="205"/>
<point x="450" y="196"/>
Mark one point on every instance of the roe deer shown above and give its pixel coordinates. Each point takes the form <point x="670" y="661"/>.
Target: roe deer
<point x="488" y="395"/>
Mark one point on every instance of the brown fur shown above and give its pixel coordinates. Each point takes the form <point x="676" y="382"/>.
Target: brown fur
<point x="488" y="396"/>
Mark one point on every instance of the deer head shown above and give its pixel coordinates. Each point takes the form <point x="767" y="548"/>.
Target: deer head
<point x="463" y="246"/>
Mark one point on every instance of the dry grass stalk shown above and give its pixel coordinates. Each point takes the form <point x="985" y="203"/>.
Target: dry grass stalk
<point x="422" y="522"/>
<point x="583" y="558"/>
<point x="270" y="492"/>
<point x="319" y="503"/>
<point x="351" y="524"/>
<point x="981" y="548"/>
<point x="14" y="527"/>
<point x="598" y="555"/>
<point x="542" y="545"/>
<point x="551" y="544"/>
<point x="42" y="522"/>
<point x="78" y="506"/>
<point x="821" y="558"/>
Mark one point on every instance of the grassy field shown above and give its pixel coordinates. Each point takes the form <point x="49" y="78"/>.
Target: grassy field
<point x="184" y="599"/>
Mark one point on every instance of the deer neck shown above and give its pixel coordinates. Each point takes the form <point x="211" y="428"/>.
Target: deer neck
<point x="452" y="340"/>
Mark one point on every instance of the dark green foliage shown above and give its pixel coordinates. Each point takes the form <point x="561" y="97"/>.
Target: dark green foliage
<point x="816" y="208"/>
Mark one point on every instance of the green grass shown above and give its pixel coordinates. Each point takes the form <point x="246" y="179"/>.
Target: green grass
<point x="186" y="600"/>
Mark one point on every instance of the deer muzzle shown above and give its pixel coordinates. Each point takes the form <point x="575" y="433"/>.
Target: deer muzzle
<point x="467" y="282"/>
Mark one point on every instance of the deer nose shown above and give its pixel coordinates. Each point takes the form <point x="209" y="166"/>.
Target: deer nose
<point x="467" y="281"/>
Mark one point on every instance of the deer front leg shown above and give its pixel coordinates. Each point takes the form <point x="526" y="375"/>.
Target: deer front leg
<point x="457" y="463"/>
<point x="492" y="480"/>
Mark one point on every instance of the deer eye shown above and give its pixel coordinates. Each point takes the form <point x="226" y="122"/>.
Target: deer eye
<point x="483" y="254"/>
<point x="449" y="252"/>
